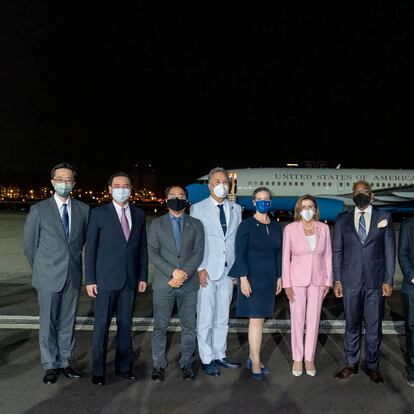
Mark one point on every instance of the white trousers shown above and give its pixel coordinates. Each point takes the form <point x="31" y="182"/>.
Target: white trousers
<point x="213" y="306"/>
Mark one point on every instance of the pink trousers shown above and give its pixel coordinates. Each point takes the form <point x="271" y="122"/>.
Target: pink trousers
<point x="305" y="310"/>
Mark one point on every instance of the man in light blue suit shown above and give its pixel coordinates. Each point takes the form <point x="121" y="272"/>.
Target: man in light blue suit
<point x="220" y="219"/>
<point x="54" y="236"/>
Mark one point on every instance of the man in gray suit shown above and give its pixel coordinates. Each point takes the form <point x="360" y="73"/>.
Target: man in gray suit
<point x="406" y="259"/>
<point x="175" y="248"/>
<point x="54" y="236"/>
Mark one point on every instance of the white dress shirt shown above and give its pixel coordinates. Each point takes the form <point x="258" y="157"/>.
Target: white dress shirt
<point x="367" y="215"/>
<point x="118" y="209"/>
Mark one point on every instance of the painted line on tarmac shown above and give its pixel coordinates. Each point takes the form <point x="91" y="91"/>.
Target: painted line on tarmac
<point x="85" y="323"/>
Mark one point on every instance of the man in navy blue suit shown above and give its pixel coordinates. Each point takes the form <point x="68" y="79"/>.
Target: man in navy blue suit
<point x="406" y="259"/>
<point x="116" y="267"/>
<point x="363" y="269"/>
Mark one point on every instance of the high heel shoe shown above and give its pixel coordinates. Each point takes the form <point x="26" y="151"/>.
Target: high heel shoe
<point x="310" y="372"/>
<point x="297" y="373"/>
<point x="257" y="376"/>
<point x="249" y="365"/>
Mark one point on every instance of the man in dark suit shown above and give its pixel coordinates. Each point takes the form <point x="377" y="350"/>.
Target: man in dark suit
<point x="406" y="259"/>
<point x="363" y="269"/>
<point x="54" y="236"/>
<point x="116" y="266"/>
<point x="176" y="249"/>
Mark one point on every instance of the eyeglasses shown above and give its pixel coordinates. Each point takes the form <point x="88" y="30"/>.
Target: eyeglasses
<point x="62" y="180"/>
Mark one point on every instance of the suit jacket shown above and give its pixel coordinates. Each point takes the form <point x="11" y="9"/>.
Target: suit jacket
<point x="164" y="256"/>
<point x="110" y="260"/>
<point x="302" y="266"/>
<point x="218" y="249"/>
<point x="406" y="255"/>
<point x="52" y="257"/>
<point x="371" y="263"/>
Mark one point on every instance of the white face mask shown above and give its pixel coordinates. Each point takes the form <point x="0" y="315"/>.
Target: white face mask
<point x="221" y="190"/>
<point x="121" y="194"/>
<point x="307" y="215"/>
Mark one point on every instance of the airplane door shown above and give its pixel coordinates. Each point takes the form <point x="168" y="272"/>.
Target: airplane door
<point x="232" y="186"/>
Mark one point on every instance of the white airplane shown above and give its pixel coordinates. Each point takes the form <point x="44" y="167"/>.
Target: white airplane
<point x="332" y="187"/>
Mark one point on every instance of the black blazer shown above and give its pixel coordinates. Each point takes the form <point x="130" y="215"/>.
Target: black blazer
<point x="370" y="264"/>
<point x="111" y="261"/>
<point x="406" y="255"/>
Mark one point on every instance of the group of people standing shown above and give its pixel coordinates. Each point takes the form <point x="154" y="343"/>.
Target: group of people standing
<point x="198" y="258"/>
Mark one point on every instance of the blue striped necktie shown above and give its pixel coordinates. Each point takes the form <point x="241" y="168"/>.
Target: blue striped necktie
<point x="362" y="230"/>
<point x="65" y="220"/>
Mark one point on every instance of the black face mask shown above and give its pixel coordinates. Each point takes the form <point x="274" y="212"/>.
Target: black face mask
<point x="361" y="200"/>
<point x="176" y="204"/>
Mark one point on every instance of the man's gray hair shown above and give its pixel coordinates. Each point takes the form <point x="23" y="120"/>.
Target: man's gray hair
<point x="217" y="169"/>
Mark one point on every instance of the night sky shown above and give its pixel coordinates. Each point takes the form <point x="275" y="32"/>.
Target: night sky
<point x="189" y="81"/>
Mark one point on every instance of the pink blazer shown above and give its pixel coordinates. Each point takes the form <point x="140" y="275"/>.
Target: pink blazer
<point x="300" y="265"/>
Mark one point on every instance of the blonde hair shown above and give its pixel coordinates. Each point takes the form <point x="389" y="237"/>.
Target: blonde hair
<point x="298" y="207"/>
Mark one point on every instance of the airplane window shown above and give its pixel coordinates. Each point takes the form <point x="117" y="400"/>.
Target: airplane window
<point x="284" y="183"/>
<point x="278" y="183"/>
<point x="319" y="184"/>
<point x="267" y="182"/>
<point x="273" y="183"/>
<point x="261" y="182"/>
<point x="290" y="183"/>
<point x="324" y="184"/>
<point x="296" y="183"/>
<point x="301" y="184"/>
<point x="313" y="184"/>
<point x="340" y="184"/>
<point x="389" y="184"/>
<point x="255" y="183"/>
<point x="329" y="184"/>
<point x="383" y="184"/>
<point x="250" y="183"/>
<point x="347" y="184"/>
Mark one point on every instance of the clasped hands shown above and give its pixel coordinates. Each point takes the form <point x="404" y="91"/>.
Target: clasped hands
<point x="338" y="291"/>
<point x="179" y="277"/>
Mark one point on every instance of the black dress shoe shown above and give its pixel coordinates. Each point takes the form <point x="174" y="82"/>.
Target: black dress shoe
<point x="210" y="369"/>
<point x="51" y="376"/>
<point x="158" y="374"/>
<point x="225" y="363"/>
<point x="375" y="376"/>
<point x="127" y="375"/>
<point x="69" y="372"/>
<point x="98" y="380"/>
<point x="346" y="372"/>
<point x="188" y="372"/>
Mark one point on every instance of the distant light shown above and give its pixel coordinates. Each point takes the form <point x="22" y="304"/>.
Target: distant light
<point x="155" y="210"/>
<point x="292" y="165"/>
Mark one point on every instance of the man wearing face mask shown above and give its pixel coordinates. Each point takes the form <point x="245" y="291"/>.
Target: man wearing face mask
<point x="116" y="267"/>
<point x="175" y="248"/>
<point x="220" y="219"/>
<point x="54" y="236"/>
<point x="363" y="270"/>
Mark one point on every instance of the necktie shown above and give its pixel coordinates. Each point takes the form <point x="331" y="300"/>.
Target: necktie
<point x="65" y="220"/>
<point x="362" y="230"/>
<point x="177" y="232"/>
<point x="222" y="218"/>
<point x="124" y="224"/>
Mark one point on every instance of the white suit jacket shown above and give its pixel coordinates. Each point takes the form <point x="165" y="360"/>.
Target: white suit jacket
<point x="218" y="249"/>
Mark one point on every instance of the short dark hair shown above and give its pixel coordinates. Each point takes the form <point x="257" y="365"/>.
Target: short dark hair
<point x="63" y="165"/>
<point x="119" y="174"/>
<point x="168" y="189"/>
<point x="259" y="189"/>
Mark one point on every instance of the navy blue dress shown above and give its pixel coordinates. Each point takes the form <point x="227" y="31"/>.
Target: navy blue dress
<point x="259" y="257"/>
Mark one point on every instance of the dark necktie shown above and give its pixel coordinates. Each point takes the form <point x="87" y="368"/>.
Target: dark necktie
<point x="362" y="230"/>
<point x="65" y="220"/>
<point x="222" y="218"/>
<point x="177" y="232"/>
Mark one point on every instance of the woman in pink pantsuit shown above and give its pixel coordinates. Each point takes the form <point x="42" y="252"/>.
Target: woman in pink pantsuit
<point x="306" y="278"/>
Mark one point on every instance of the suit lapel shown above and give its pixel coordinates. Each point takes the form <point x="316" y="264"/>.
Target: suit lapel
<point x="74" y="217"/>
<point x="186" y="227"/>
<point x="56" y="217"/>
<point x="351" y="223"/>
<point x="372" y="225"/>
<point x="134" y="223"/>
<point x="169" y="232"/>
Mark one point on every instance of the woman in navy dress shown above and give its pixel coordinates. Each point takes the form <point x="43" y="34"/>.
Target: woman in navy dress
<point x="258" y="266"/>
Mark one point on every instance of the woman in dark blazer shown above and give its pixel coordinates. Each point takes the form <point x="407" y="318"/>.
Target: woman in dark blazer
<point x="258" y="267"/>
